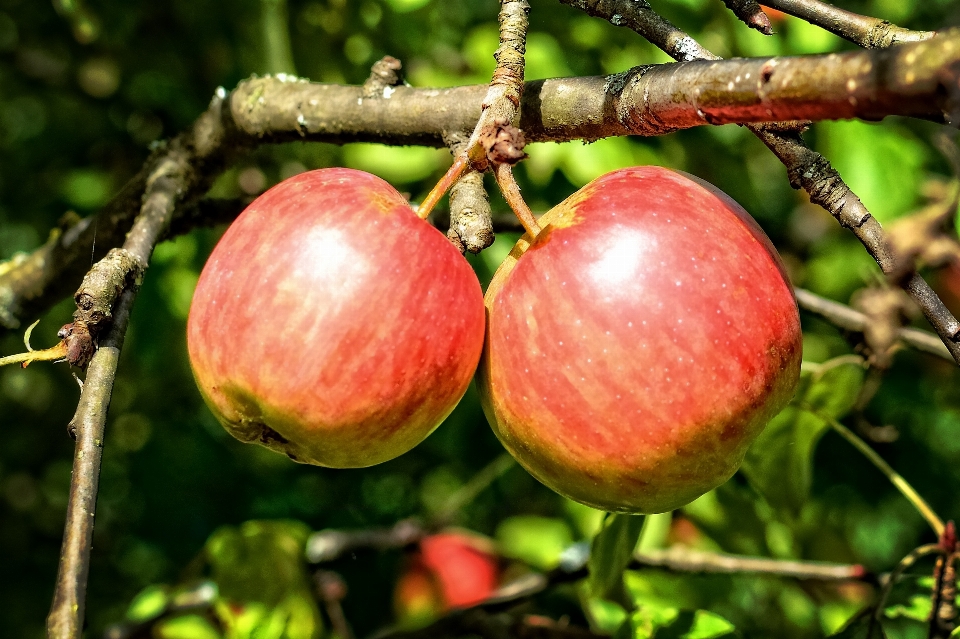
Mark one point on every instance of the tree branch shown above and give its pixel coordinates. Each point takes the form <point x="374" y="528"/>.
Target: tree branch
<point x="282" y="108"/>
<point x="870" y="33"/>
<point x="852" y="320"/>
<point x="751" y="14"/>
<point x="172" y="174"/>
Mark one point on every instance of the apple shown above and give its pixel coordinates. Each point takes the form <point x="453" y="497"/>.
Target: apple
<point x="451" y="569"/>
<point x="639" y="344"/>
<point x="332" y="324"/>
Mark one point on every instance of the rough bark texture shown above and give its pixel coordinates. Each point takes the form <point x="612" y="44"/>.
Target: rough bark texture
<point x="908" y="80"/>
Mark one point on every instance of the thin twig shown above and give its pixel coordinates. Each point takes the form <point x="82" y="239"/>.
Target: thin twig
<point x="870" y="33"/>
<point x="469" y="491"/>
<point x="692" y="561"/>
<point x="847" y="318"/>
<point x="500" y="104"/>
<point x="511" y="193"/>
<point x="751" y="14"/>
<point x="806" y="168"/>
<point x="891" y="580"/>
<point x="895" y="478"/>
<point x="165" y="185"/>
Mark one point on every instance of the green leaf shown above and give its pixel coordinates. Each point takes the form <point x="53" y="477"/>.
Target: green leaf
<point x="186" y="627"/>
<point x="650" y="622"/>
<point x="605" y="616"/>
<point x="148" y="604"/>
<point x="918" y="608"/>
<point x="779" y="465"/>
<point x="264" y="587"/>
<point x="861" y="627"/>
<point x="611" y="552"/>
<point x="538" y="541"/>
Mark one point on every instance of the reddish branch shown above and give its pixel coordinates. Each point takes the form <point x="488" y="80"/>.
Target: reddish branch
<point x="751" y="14"/>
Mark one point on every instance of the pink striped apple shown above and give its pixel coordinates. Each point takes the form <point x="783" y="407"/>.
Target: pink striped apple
<point x="640" y="343"/>
<point x="332" y="324"/>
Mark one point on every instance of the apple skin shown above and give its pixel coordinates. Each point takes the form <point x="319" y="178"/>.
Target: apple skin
<point x="450" y="569"/>
<point x="332" y="324"/>
<point x="640" y="343"/>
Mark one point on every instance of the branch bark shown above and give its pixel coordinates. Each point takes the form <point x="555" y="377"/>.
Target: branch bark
<point x="870" y="33"/>
<point x="172" y="173"/>
<point x="847" y="318"/>
<point x="283" y="108"/>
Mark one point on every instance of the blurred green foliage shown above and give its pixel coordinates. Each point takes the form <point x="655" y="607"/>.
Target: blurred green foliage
<point x="89" y="85"/>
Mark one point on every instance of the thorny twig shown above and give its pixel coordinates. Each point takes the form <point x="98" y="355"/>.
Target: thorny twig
<point x="805" y="167"/>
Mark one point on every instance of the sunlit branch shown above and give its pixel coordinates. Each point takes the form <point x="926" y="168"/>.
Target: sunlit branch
<point x="170" y="176"/>
<point x="280" y="109"/>
<point x="870" y="33"/>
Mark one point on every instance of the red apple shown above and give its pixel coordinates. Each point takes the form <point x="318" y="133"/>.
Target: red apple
<point x="465" y="567"/>
<point x="449" y="570"/>
<point x="640" y="343"/>
<point x="332" y="324"/>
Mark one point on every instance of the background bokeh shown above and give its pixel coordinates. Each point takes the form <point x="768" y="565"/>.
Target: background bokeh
<point x="86" y="86"/>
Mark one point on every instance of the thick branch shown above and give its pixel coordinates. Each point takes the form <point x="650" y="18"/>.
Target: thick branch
<point x="870" y="33"/>
<point x="280" y="109"/>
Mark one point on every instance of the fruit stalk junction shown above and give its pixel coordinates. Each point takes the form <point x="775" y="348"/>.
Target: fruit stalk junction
<point x="629" y="349"/>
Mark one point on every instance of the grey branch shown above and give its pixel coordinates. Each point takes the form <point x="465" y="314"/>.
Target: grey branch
<point x="847" y="318"/>
<point x="170" y="175"/>
<point x="870" y="33"/>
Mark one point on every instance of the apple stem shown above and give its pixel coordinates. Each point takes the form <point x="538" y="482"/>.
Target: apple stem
<point x="895" y="478"/>
<point x="511" y="193"/>
<point x="453" y="174"/>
